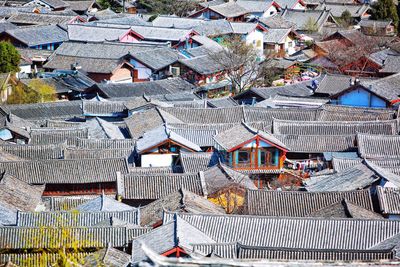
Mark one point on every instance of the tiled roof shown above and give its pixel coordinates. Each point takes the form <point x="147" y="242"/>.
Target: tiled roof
<point x="32" y="152"/>
<point x="78" y="153"/>
<point x="83" y="237"/>
<point x="177" y="233"/>
<point x="235" y="136"/>
<point x="105" y="204"/>
<point x="66" y="171"/>
<point x="19" y="195"/>
<point x="146" y="187"/>
<point x="301" y="204"/>
<point x="390" y="164"/>
<point x="159" y="87"/>
<point x="198" y="161"/>
<point x="318" y="143"/>
<point x="239" y="251"/>
<point x="353" y="178"/>
<point x="74" y="218"/>
<point x="310" y="233"/>
<point x="141" y="122"/>
<point x="288" y="127"/>
<point x="182" y="201"/>
<point x="105" y="143"/>
<point x="108" y="257"/>
<point x="43" y="136"/>
<point x="348" y="113"/>
<point x="229" y="9"/>
<point x="39" y="35"/>
<point x="389" y="200"/>
<point x="161" y="134"/>
<point x="378" y="146"/>
<point x="207" y="115"/>
<point x="340" y="164"/>
<point x="59" y="203"/>
<point x="40" y="18"/>
<point x="51" y="110"/>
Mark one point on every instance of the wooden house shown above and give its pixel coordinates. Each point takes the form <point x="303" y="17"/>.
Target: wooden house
<point x="230" y="11"/>
<point x="250" y="150"/>
<point x="160" y="147"/>
<point x="46" y="37"/>
<point x="53" y="5"/>
<point x="260" y="9"/>
<point x="379" y="93"/>
<point x="201" y="70"/>
<point x="377" y="27"/>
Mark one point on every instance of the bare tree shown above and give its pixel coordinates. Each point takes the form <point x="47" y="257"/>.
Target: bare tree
<point x="349" y="56"/>
<point x="242" y="65"/>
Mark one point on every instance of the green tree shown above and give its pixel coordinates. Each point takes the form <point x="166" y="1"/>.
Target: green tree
<point x="385" y="10"/>
<point x="346" y="19"/>
<point x="311" y="25"/>
<point x="9" y="58"/>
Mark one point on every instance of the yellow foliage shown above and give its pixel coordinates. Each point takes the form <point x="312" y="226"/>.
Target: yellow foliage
<point x="47" y="92"/>
<point x="228" y="200"/>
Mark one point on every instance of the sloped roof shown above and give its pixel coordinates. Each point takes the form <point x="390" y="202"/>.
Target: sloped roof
<point x="66" y="171"/>
<point x="207" y="115"/>
<point x="276" y="36"/>
<point x="332" y="84"/>
<point x="198" y="161"/>
<point x="83" y="237"/>
<point x="41" y="18"/>
<point x="242" y="133"/>
<point x="177" y="233"/>
<point x="220" y="176"/>
<point x="347" y="113"/>
<point x="109" y="257"/>
<point x="301" y="204"/>
<point x="300" y="17"/>
<point x="378" y="146"/>
<point x="49" y="151"/>
<point x="337" y="9"/>
<point x="74" y="218"/>
<point x="204" y="64"/>
<point x="340" y="164"/>
<point x="161" y="134"/>
<point x="158" y="87"/>
<point x="353" y="178"/>
<point x="38" y="35"/>
<point x="287" y="127"/>
<point x="390" y="164"/>
<point x="90" y="33"/>
<point x="388" y="88"/>
<point x="103" y="203"/>
<point x="311" y="233"/>
<point x="255" y="6"/>
<point x="229" y="9"/>
<point x="157" y="58"/>
<point x="182" y="201"/>
<point x="19" y="195"/>
<point x="42" y="136"/>
<point x="43" y="111"/>
<point x="389" y="200"/>
<point x="152" y="187"/>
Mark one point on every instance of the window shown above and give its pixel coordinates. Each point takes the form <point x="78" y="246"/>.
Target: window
<point x="243" y="157"/>
<point x="263" y="158"/>
<point x="175" y="71"/>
